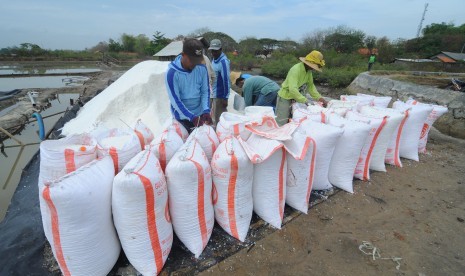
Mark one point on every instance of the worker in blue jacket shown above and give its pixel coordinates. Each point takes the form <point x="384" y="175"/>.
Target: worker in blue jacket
<point x="220" y="87"/>
<point x="187" y="84"/>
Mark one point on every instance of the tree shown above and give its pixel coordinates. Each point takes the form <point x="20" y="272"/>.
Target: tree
<point x="344" y="40"/>
<point x="102" y="46"/>
<point x="370" y="42"/>
<point x="158" y="42"/>
<point x="228" y="43"/>
<point x="128" y="42"/>
<point x="199" y="32"/>
<point x="114" y="46"/>
<point x="249" y="45"/>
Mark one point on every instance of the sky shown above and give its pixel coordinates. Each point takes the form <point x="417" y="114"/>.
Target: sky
<point x="81" y="24"/>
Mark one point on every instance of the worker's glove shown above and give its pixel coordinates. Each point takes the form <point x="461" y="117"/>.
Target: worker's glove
<point x="323" y="102"/>
<point x="196" y="121"/>
<point x="206" y="119"/>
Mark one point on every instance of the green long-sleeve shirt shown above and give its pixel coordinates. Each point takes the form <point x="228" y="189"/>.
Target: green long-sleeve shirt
<point x="257" y="85"/>
<point x="296" y="77"/>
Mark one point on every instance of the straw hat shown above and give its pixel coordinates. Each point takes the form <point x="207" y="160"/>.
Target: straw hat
<point x="314" y="60"/>
<point x="234" y="76"/>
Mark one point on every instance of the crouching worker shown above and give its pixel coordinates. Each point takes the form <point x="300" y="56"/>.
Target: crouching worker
<point x="298" y="84"/>
<point x="258" y="90"/>
<point x="187" y="86"/>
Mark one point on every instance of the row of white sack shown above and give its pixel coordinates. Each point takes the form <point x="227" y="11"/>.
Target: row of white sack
<point x="268" y="148"/>
<point x="79" y="194"/>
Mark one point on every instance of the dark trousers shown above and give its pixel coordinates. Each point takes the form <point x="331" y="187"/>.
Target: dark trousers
<point x="188" y="125"/>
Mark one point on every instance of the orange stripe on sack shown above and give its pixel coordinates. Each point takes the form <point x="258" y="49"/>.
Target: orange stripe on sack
<point x="201" y="202"/>
<point x="178" y="129"/>
<point x="323" y="118"/>
<point x="152" y="221"/>
<point x="399" y="133"/>
<point x="141" y="139"/>
<point x="236" y="129"/>
<point x="114" y="156"/>
<point x="55" y="231"/>
<point x="162" y="154"/>
<point x="232" y="196"/>
<point x="366" y="170"/>
<point x="281" y="183"/>
<point x="312" y="170"/>
<point x="69" y="160"/>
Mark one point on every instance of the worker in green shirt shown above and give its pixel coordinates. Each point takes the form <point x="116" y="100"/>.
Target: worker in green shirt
<point x="371" y="61"/>
<point x="258" y="90"/>
<point x="298" y="84"/>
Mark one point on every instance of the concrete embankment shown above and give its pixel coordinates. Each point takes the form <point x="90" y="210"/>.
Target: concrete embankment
<point x="451" y="123"/>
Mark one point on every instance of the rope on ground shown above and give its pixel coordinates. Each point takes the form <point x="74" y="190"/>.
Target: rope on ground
<point x="369" y="249"/>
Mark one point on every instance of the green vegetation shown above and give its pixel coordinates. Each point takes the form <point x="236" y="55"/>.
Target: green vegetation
<point x="345" y="50"/>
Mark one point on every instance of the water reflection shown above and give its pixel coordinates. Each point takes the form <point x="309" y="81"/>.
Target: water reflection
<point x="28" y="136"/>
<point x="24" y="70"/>
<point x="8" y="84"/>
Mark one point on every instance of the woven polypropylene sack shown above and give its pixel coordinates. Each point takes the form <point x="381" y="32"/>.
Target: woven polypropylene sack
<point x="326" y="137"/>
<point x="232" y="173"/>
<point x="378" y="101"/>
<point x="373" y="141"/>
<point x="347" y="151"/>
<point x="165" y="146"/>
<point x="387" y="135"/>
<point x="438" y="111"/>
<point x="60" y="157"/>
<point x="207" y="138"/>
<point x="172" y="123"/>
<point x="411" y="134"/>
<point x="189" y="179"/>
<point x="141" y="214"/>
<point x="78" y="221"/>
<point x="144" y="134"/>
<point x="231" y="124"/>
<point x="301" y="155"/>
<point x="269" y="189"/>
<point x="121" y="145"/>
<point x="361" y="101"/>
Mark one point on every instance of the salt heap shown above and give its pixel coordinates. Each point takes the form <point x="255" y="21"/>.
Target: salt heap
<point x="139" y="93"/>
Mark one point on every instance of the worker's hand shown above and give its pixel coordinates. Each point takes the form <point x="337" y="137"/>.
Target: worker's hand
<point x="225" y="103"/>
<point x="323" y="102"/>
<point x="206" y="119"/>
<point x="196" y="121"/>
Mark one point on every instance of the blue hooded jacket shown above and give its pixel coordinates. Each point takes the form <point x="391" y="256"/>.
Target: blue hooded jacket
<point x="222" y="84"/>
<point x="188" y="91"/>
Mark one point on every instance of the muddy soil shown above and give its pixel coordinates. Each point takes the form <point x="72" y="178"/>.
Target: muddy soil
<point x="415" y="213"/>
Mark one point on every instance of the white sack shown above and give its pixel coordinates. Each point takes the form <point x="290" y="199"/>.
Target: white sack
<point x="232" y="124"/>
<point x="362" y="170"/>
<point x="259" y="111"/>
<point x="121" y="145"/>
<point x="325" y="137"/>
<point x="140" y="213"/>
<point x="410" y="138"/>
<point x="361" y="101"/>
<point x="166" y="145"/>
<point x="378" y="101"/>
<point x="269" y="190"/>
<point x="232" y="173"/>
<point x="347" y="151"/>
<point x="60" y="157"/>
<point x="437" y="112"/>
<point x="301" y="155"/>
<point x="189" y="179"/>
<point x="393" y="121"/>
<point x="173" y="124"/>
<point x="78" y="221"/>
<point x="207" y="138"/>
<point x="144" y="134"/>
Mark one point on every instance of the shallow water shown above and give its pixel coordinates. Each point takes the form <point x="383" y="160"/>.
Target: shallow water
<point x="10" y="173"/>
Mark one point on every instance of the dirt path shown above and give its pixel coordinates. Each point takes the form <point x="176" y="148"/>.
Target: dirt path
<point x="415" y="213"/>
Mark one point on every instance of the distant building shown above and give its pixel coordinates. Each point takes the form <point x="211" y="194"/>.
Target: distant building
<point x="448" y="57"/>
<point x="170" y="52"/>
